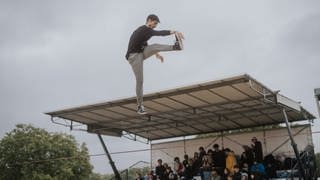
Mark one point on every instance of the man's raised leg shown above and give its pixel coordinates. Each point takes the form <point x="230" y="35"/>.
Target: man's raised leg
<point x="155" y="48"/>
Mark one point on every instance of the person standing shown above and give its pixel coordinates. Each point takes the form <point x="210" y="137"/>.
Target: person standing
<point x="230" y="160"/>
<point x="257" y="149"/>
<point x="139" y="50"/>
<point x="160" y="170"/>
<point x="186" y="160"/>
<point x="218" y="159"/>
<point x="178" y="167"/>
<point x="188" y="172"/>
<point x="247" y="156"/>
<point x="206" y="168"/>
<point x="202" y="152"/>
<point x="197" y="162"/>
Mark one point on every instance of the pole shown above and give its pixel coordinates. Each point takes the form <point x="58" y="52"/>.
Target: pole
<point x="115" y="171"/>
<point x="184" y="145"/>
<point x="222" y="142"/>
<point x="264" y="141"/>
<point x="294" y="145"/>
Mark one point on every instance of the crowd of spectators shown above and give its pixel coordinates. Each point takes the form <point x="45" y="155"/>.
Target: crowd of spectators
<point x="218" y="164"/>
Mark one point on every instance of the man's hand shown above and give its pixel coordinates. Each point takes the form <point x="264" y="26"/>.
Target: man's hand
<point x="172" y="32"/>
<point x="158" y="56"/>
<point x="177" y="33"/>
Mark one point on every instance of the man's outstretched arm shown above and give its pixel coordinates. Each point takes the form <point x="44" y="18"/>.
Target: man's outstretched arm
<point x="163" y="32"/>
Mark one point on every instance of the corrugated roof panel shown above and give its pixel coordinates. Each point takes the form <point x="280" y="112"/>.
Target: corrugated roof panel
<point x="189" y="100"/>
<point x="229" y="93"/>
<point x="208" y="97"/>
<point x="171" y="103"/>
<point x="246" y="89"/>
<point x="110" y="114"/>
<point x="157" y="106"/>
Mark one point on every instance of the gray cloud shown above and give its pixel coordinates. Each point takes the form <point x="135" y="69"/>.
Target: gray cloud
<point x="57" y="54"/>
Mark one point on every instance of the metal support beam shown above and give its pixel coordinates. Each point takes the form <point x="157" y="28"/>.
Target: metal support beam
<point x="264" y="141"/>
<point x="184" y="145"/>
<point x="294" y="145"/>
<point x="210" y="145"/>
<point x="222" y="142"/>
<point x="115" y="171"/>
<point x="234" y="141"/>
<point x="288" y="139"/>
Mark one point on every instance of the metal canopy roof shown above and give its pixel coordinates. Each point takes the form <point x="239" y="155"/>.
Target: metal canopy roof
<point x="227" y="104"/>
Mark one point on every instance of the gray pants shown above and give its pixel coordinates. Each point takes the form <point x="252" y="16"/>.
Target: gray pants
<point x="136" y="62"/>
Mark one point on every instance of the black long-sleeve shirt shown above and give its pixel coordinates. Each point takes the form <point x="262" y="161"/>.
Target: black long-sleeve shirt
<point x="258" y="153"/>
<point x="219" y="158"/>
<point x="139" y="38"/>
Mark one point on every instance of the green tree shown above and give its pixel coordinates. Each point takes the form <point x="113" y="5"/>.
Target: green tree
<point x="97" y="176"/>
<point x="125" y="174"/>
<point x="33" y="153"/>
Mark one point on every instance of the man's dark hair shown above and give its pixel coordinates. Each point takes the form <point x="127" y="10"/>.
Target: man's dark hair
<point x="153" y="17"/>
<point x="216" y="146"/>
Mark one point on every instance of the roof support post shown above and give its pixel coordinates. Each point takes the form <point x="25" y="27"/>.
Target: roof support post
<point x="264" y="141"/>
<point x="222" y="141"/>
<point x="115" y="171"/>
<point x="71" y="125"/>
<point x="184" y="145"/>
<point x="151" y="159"/>
<point x="294" y="145"/>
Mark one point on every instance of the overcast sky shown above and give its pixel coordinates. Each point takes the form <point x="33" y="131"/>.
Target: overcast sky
<point x="57" y="54"/>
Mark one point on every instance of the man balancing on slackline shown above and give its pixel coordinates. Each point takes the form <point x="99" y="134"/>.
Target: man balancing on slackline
<point x="139" y="50"/>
